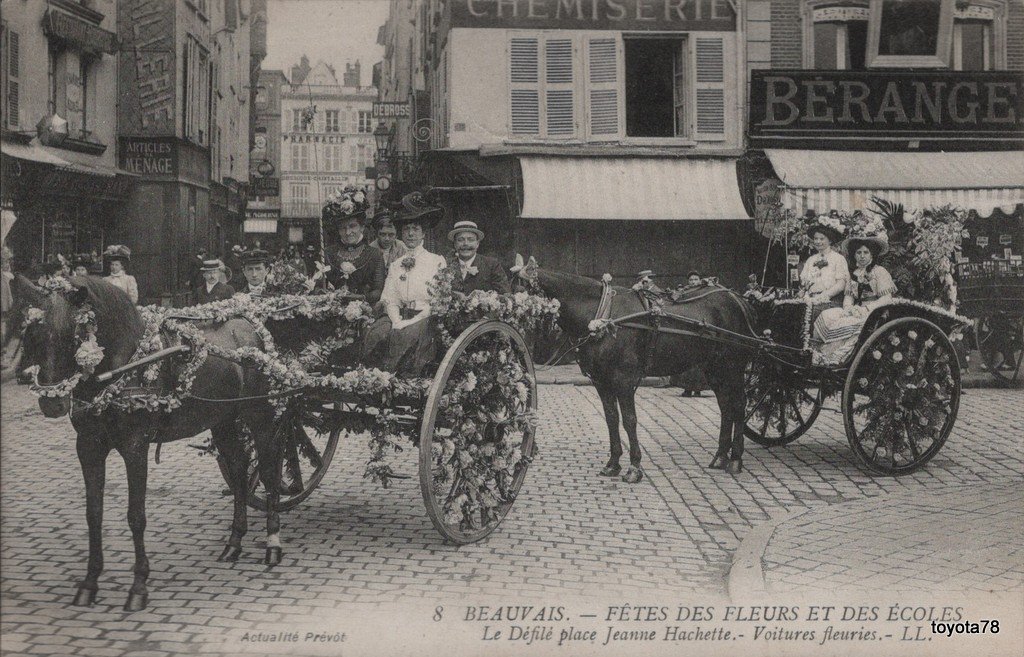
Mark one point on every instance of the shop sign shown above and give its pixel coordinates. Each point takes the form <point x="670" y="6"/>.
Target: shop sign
<point x="889" y="105"/>
<point x="391" y="110"/>
<point x="264" y="186"/>
<point x="767" y="197"/>
<point x="1005" y="239"/>
<point x="307" y="138"/>
<point x="149" y="155"/>
<point x="660" y="15"/>
<point x="83" y="36"/>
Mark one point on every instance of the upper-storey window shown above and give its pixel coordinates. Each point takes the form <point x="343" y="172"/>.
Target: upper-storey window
<point x="909" y="33"/>
<point x="606" y="86"/>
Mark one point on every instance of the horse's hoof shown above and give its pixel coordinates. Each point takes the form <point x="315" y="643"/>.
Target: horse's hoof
<point x="273" y="557"/>
<point x="611" y="470"/>
<point x="718" y="463"/>
<point x="85" y="597"/>
<point x="136" y="601"/>
<point x="633" y="474"/>
<point x="734" y="466"/>
<point x="230" y="553"/>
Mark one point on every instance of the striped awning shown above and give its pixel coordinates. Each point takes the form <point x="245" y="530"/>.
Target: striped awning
<point x="631" y="188"/>
<point x="848" y="180"/>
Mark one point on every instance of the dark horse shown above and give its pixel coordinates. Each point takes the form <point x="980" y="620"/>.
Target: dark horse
<point x="119" y="327"/>
<point x="616" y="363"/>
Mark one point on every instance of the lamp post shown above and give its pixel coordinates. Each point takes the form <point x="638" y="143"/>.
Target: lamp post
<point x="382" y="138"/>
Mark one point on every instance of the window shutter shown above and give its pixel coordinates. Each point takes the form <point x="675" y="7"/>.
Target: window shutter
<point x="710" y="89"/>
<point x="603" y="57"/>
<point x="558" y="90"/>
<point x="524" y="114"/>
<point x="13" y="103"/>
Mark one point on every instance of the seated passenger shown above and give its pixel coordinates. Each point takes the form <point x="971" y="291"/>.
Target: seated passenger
<point x="355" y="264"/>
<point x="403" y="340"/>
<point x="476" y="272"/>
<point x="836" y="330"/>
<point x="254" y="267"/>
<point x="213" y="289"/>
<point x="825" y="274"/>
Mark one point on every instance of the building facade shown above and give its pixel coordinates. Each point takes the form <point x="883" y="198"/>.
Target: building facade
<point x="914" y="102"/>
<point x="61" y="190"/>
<point x="326" y="143"/>
<point x="264" y="207"/>
<point x="183" y="120"/>
<point x="598" y="136"/>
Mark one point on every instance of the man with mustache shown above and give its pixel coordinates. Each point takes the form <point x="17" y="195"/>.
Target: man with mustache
<point x="475" y="271"/>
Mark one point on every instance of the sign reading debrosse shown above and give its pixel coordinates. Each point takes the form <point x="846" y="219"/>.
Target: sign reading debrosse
<point x="391" y="110"/>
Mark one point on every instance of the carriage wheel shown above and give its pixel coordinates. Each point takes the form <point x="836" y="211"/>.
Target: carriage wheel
<point x="1001" y="343"/>
<point x="901" y="396"/>
<point x="306" y="457"/>
<point x="781" y="406"/>
<point x="470" y="475"/>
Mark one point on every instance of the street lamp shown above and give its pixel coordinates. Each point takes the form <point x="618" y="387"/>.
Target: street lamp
<point x="382" y="137"/>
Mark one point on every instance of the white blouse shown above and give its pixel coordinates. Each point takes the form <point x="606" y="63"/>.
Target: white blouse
<point x="818" y="279"/>
<point x="127" y="283"/>
<point x="408" y="288"/>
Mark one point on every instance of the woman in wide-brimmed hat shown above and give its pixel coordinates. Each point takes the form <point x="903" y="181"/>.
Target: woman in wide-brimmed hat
<point x="837" y="329"/>
<point x="825" y="274"/>
<point x="355" y="264"/>
<point x="117" y="257"/>
<point x="403" y="340"/>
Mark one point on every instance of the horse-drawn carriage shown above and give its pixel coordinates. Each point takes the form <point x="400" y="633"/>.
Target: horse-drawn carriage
<point x="992" y="293"/>
<point x="899" y="385"/>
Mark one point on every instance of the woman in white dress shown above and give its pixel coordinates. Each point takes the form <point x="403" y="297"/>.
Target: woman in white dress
<point x="403" y="340"/>
<point x="825" y="274"/>
<point x="837" y="329"/>
<point x="117" y="257"/>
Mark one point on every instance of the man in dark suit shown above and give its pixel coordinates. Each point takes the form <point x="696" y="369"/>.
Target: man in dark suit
<point x="475" y="271"/>
<point x="212" y="288"/>
<point x="255" y="269"/>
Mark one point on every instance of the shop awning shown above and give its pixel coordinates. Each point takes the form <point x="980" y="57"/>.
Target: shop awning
<point x="33" y="152"/>
<point x="634" y="188"/>
<point x="848" y="180"/>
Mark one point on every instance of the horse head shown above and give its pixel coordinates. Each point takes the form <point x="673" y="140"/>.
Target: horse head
<point x="56" y="339"/>
<point x="526" y="271"/>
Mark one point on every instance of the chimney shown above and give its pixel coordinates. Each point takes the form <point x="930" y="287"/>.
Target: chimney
<point x="351" y="78"/>
<point x="300" y="70"/>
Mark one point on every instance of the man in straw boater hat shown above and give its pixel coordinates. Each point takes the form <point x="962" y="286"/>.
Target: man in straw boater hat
<point x="475" y="271"/>
<point x="355" y="264"/>
<point x="212" y="288"/>
<point x="255" y="267"/>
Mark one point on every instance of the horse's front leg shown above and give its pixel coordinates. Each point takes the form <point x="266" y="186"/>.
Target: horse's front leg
<point x="135" y="453"/>
<point x="234" y="461"/>
<point x="92" y="455"/>
<point x="611" y="418"/>
<point x="725" y="423"/>
<point x="627" y="402"/>
<point x="737" y="420"/>
<point x="270" y="448"/>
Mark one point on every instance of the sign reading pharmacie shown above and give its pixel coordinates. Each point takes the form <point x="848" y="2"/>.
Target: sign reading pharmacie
<point x="310" y="138"/>
<point x="663" y="15"/>
<point x="792" y="105"/>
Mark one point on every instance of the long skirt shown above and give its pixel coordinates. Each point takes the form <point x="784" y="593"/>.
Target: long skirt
<point x="405" y="351"/>
<point x="818" y="308"/>
<point x="835" y="335"/>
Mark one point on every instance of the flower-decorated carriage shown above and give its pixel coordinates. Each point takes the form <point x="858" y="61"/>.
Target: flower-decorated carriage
<point x="898" y="377"/>
<point x="471" y="414"/>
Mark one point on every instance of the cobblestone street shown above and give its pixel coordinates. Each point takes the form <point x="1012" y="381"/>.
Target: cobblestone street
<point x="571" y="533"/>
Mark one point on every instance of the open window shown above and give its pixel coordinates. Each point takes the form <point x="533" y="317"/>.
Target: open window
<point x="655" y="72"/>
<point x="979" y="35"/>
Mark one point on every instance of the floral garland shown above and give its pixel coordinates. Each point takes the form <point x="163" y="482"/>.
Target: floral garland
<point x="455" y="310"/>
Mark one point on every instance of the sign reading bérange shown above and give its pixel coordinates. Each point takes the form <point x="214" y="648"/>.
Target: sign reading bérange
<point x="669" y="15"/>
<point x="894" y="105"/>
